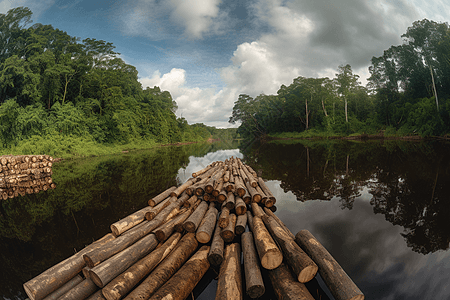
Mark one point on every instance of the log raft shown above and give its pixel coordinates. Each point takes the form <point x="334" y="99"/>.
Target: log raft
<point x="157" y="252"/>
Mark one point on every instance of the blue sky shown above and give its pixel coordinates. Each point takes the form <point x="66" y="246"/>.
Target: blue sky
<point x="207" y="52"/>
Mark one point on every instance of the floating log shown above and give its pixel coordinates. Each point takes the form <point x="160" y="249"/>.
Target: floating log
<point x="241" y="223"/>
<point x="81" y="291"/>
<point x="256" y="197"/>
<point x="253" y="279"/>
<point x="191" y="223"/>
<point x="257" y="210"/>
<point x="202" y="171"/>
<point x="250" y="221"/>
<point x="337" y="281"/>
<point x="270" y="213"/>
<point x="304" y="267"/>
<point x="96" y="296"/>
<point x="185" y="247"/>
<point x="286" y="286"/>
<point x="54" y="277"/>
<point x="206" y="227"/>
<point x="228" y="232"/>
<point x="240" y="206"/>
<point x="64" y="288"/>
<point x="165" y="230"/>
<point x="224" y="217"/>
<point x="110" y="268"/>
<point x="271" y="199"/>
<point x="130" y="221"/>
<point x="162" y="196"/>
<point x="181" y="284"/>
<point x="177" y="192"/>
<point x="218" y="186"/>
<point x="239" y="187"/>
<point x="215" y="256"/>
<point x="229" y="284"/>
<point x="269" y="254"/>
<point x="126" y="281"/>
<point x="230" y="202"/>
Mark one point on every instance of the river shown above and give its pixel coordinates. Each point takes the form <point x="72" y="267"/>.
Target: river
<point x="381" y="208"/>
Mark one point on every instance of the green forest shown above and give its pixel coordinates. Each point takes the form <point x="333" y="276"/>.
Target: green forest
<point x="65" y="97"/>
<point x="407" y="95"/>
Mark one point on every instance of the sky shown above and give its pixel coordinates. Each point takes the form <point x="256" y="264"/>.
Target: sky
<point x="208" y="52"/>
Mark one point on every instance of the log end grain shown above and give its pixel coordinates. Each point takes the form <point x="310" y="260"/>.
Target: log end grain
<point x="271" y="259"/>
<point x="308" y="273"/>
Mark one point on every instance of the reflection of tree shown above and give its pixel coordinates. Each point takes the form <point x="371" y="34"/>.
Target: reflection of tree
<point x="408" y="181"/>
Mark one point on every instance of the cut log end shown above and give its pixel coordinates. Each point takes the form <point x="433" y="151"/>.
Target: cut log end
<point x="272" y="259"/>
<point x="96" y="279"/>
<point x="307" y="274"/>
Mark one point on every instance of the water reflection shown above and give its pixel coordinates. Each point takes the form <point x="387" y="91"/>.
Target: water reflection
<point x="408" y="181"/>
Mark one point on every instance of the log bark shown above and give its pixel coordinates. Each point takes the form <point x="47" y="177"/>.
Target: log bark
<point x="303" y="266"/>
<point x="206" y="227"/>
<point x="81" y="291"/>
<point x="269" y="254"/>
<point x="257" y="210"/>
<point x="229" y="284"/>
<point x="186" y="246"/>
<point x="191" y="223"/>
<point x="286" y="287"/>
<point x="157" y="199"/>
<point x="250" y="221"/>
<point x="130" y="221"/>
<point x="228" y="232"/>
<point x="126" y="281"/>
<point x="218" y="186"/>
<point x="222" y="196"/>
<point x="183" y="282"/>
<point x="256" y="197"/>
<point x="239" y="186"/>
<point x="268" y="193"/>
<point x="65" y="288"/>
<point x="215" y="255"/>
<point x="96" y="296"/>
<point x="224" y="217"/>
<point x="241" y="223"/>
<point x="177" y="192"/>
<point x="270" y="213"/>
<point x="150" y="215"/>
<point x="166" y="230"/>
<point x="110" y="268"/>
<point x="240" y="206"/>
<point x="230" y="202"/>
<point x="202" y="171"/>
<point x="54" y="277"/>
<point x="337" y="281"/>
<point x="253" y="279"/>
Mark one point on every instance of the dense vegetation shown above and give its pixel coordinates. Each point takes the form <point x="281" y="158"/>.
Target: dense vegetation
<point x="407" y="94"/>
<point x="64" y="97"/>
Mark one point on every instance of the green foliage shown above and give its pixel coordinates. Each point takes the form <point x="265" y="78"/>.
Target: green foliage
<point x="65" y="97"/>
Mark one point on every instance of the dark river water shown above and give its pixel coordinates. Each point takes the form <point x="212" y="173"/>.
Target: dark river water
<point x="382" y="209"/>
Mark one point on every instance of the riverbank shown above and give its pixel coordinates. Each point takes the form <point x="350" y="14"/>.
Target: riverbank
<point x="320" y="135"/>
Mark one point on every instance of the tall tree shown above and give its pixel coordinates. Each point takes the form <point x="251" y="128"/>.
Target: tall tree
<point x="346" y="83"/>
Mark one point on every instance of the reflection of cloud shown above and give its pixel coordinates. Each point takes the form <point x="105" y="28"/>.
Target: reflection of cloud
<point x="370" y="249"/>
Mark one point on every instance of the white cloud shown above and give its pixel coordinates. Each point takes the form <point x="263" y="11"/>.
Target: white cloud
<point x="37" y="7"/>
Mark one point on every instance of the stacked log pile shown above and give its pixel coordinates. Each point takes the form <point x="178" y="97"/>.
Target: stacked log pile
<point x="25" y="174"/>
<point x="163" y="250"/>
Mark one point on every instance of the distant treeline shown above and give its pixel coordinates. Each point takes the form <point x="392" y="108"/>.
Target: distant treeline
<point x="62" y="96"/>
<point x="407" y="94"/>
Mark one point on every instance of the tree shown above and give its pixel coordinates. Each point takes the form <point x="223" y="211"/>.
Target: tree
<point x="346" y="83"/>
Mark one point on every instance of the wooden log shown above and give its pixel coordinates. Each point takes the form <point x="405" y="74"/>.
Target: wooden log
<point x="96" y="296"/>
<point x="250" y="178"/>
<point x="166" y="230"/>
<point x="243" y="175"/>
<point x="269" y="212"/>
<point x="268" y="193"/>
<point x="54" y="277"/>
<point x="202" y="171"/>
<point x="264" y="198"/>
<point x="209" y="187"/>
<point x="241" y="223"/>
<point x="229" y="284"/>
<point x="253" y="279"/>
<point x="257" y="210"/>
<point x="81" y="291"/>
<point x="126" y="281"/>
<point x="228" y="232"/>
<point x="190" y="190"/>
<point x="303" y="266"/>
<point x="218" y="186"/>
<point x="251" y="171"/>
<point x="191" y="201"/>
<point x="240" y="206"/>
<point x="85" y="271"/>
<point x="64" y="288"/>
<point x="150" y="215"/>
<point x="206" y="227"/>
<point x="180" y="286"/>
<point x="130" y="221"/>
<point x="226" y="176"/>
<point x="177" y="192"/>
<point x="269" y="254"/>
<point x="215" y="255"/>
<point x="185" y="247"/>
<point x="337" y="281"/>
<point x="250" y="221"/>
<point x="110" y="268"/>
<point x="286" y="286"/>
<point x="191" y="223"/>
<point x="222" y="196"/>
<point x="230" y="202"/>
<point x="256" y="197"/>
<point x="159" y="198"/>
<point x="239" y="187"/>
<point x="224" y="217"/>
